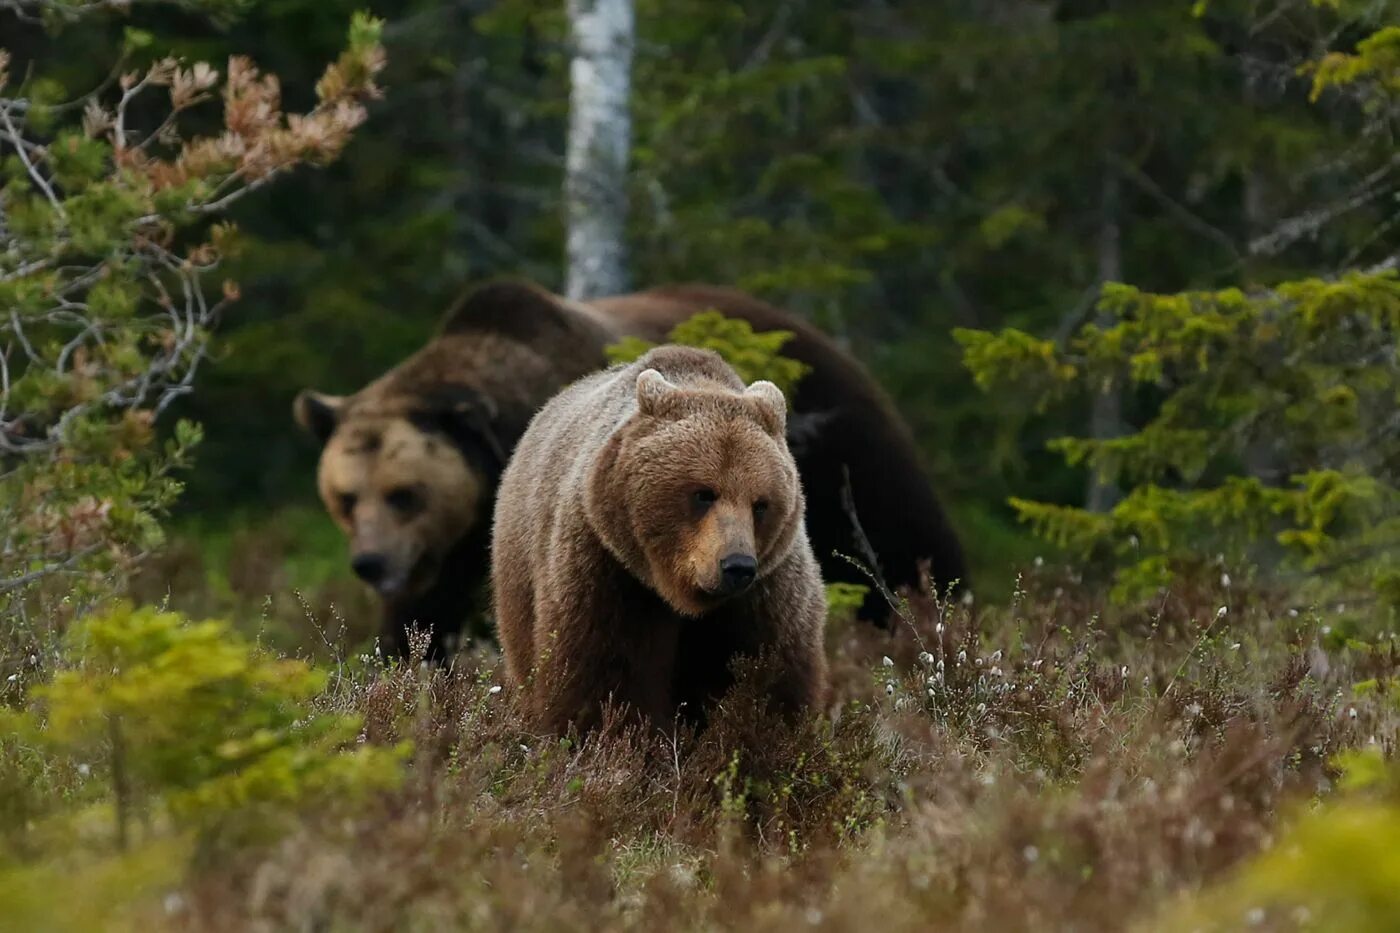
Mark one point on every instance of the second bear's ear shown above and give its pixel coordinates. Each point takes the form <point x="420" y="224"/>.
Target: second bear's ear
<point x="318" y="413"/>
<point x="771" y="405"/>
<point x="653" y="390"/>
<point x="465" y="416"/>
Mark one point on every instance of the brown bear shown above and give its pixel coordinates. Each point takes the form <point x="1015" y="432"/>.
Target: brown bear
<point x="411" y="461"/>
<point x="648" y="530"/>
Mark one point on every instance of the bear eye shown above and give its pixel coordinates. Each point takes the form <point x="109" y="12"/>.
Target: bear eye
<point x="404" y="500"/>
<point x="760" y="509"/>
<point x="347" y="503"/>
<point x="704" y="498"/>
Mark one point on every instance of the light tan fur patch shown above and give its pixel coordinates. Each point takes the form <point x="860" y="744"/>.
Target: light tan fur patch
<point x="400" y="493"/>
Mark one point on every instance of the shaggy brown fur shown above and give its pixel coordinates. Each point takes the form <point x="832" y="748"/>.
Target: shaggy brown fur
<point x="626" y="500"/>
<point x="504" y="350"/>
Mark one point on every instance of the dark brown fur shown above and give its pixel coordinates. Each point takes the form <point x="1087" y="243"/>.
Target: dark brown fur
<point x="507" y="347"/>
<point x="606" y="567"/>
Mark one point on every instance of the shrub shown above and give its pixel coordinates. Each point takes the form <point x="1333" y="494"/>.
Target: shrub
<point x="108" y="238"/>
<point x="190" y="720"/>
<point x="753" y="354"/>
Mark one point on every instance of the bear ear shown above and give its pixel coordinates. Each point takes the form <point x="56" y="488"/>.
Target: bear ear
<point x="807" y="431"/>
<point x="652" y="392"/>
<point x="771" y="405"/>
<point x="317" y="413"/>
<point x="464" y="415"/>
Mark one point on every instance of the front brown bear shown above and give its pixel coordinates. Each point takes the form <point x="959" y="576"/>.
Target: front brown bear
<point x="648" y="529"/>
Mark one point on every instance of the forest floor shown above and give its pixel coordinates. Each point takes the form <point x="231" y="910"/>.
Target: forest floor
<point x="1051" y="763"/>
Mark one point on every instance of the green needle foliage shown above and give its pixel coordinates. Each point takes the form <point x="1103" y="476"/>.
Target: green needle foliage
<point x="187" y="721"/>
<point x="1271" y="435"/>
<point x="753" y="354"/>
<point x="1265" y="433"/>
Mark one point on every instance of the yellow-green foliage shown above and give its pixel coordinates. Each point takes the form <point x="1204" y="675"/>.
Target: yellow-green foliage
<point x="1335" y="864"/>
<point x="1376" y="63"/>
<point x="119" y="891"/>
<point x="189" y="720"/>
<point x="1268" y="434"/>
<point x="753" y="354"/>
<point x="844" y="599"/>
<point x="987" y="354"/>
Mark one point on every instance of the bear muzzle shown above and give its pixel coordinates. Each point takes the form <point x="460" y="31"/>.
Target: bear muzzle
<point x="736" y="573"/>
<point x="370" y="567"/>
<point x="388" y="577"/>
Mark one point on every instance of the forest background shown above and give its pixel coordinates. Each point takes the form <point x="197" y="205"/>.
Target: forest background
<point x="892" y="171"/>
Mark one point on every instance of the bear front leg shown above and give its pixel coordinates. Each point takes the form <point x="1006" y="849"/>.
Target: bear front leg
<point x="797" y="644"/>
<point x="597" y="644"/>
<point x="579" y="671"/>
<point x="513" y="601"/>
<point x="801" y="682"/>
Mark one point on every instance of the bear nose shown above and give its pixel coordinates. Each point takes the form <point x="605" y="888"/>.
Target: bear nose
<point x="369" y="567"/>
<point x="736" y="572"/>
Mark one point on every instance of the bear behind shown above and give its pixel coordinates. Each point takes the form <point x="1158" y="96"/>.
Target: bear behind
<point x="649" y="529"/>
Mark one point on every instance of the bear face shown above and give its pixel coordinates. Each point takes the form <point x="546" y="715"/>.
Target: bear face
<point x="697" y="493"/>
<point x="402" y="497"/>
<point x="399" y="485"/>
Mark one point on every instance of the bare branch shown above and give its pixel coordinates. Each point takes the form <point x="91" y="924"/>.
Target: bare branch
<point x="22" y="151"/>
<point x="1296" y="228"/>
<point x="1184" y="215"/>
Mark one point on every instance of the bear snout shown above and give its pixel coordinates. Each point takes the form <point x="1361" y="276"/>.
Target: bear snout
<point x="370" y="567"/>
<point x="736" y="573"/>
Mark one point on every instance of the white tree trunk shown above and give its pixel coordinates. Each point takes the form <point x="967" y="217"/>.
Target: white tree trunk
<point x="600" y="137"/>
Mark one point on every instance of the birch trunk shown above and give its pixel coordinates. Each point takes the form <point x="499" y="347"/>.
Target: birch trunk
<point x="600" y="136"/>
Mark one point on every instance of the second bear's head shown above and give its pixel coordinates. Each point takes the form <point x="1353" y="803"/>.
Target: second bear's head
<point x="697" y="493"/>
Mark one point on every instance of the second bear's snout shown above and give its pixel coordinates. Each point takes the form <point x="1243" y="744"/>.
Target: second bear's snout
<point x="370" y="568"/>
<point x="736" y="572"/>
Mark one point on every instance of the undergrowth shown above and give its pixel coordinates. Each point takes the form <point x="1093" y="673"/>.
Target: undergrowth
<point x="1051" y="764"/>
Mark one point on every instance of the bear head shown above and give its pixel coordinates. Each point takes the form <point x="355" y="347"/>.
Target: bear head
<point x="696" y="494"/>
<point x="406" y="477"/>
<point x="409" y="463"/>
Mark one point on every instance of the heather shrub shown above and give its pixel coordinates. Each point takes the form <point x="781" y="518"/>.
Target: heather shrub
<point x="1076" y="765"/>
